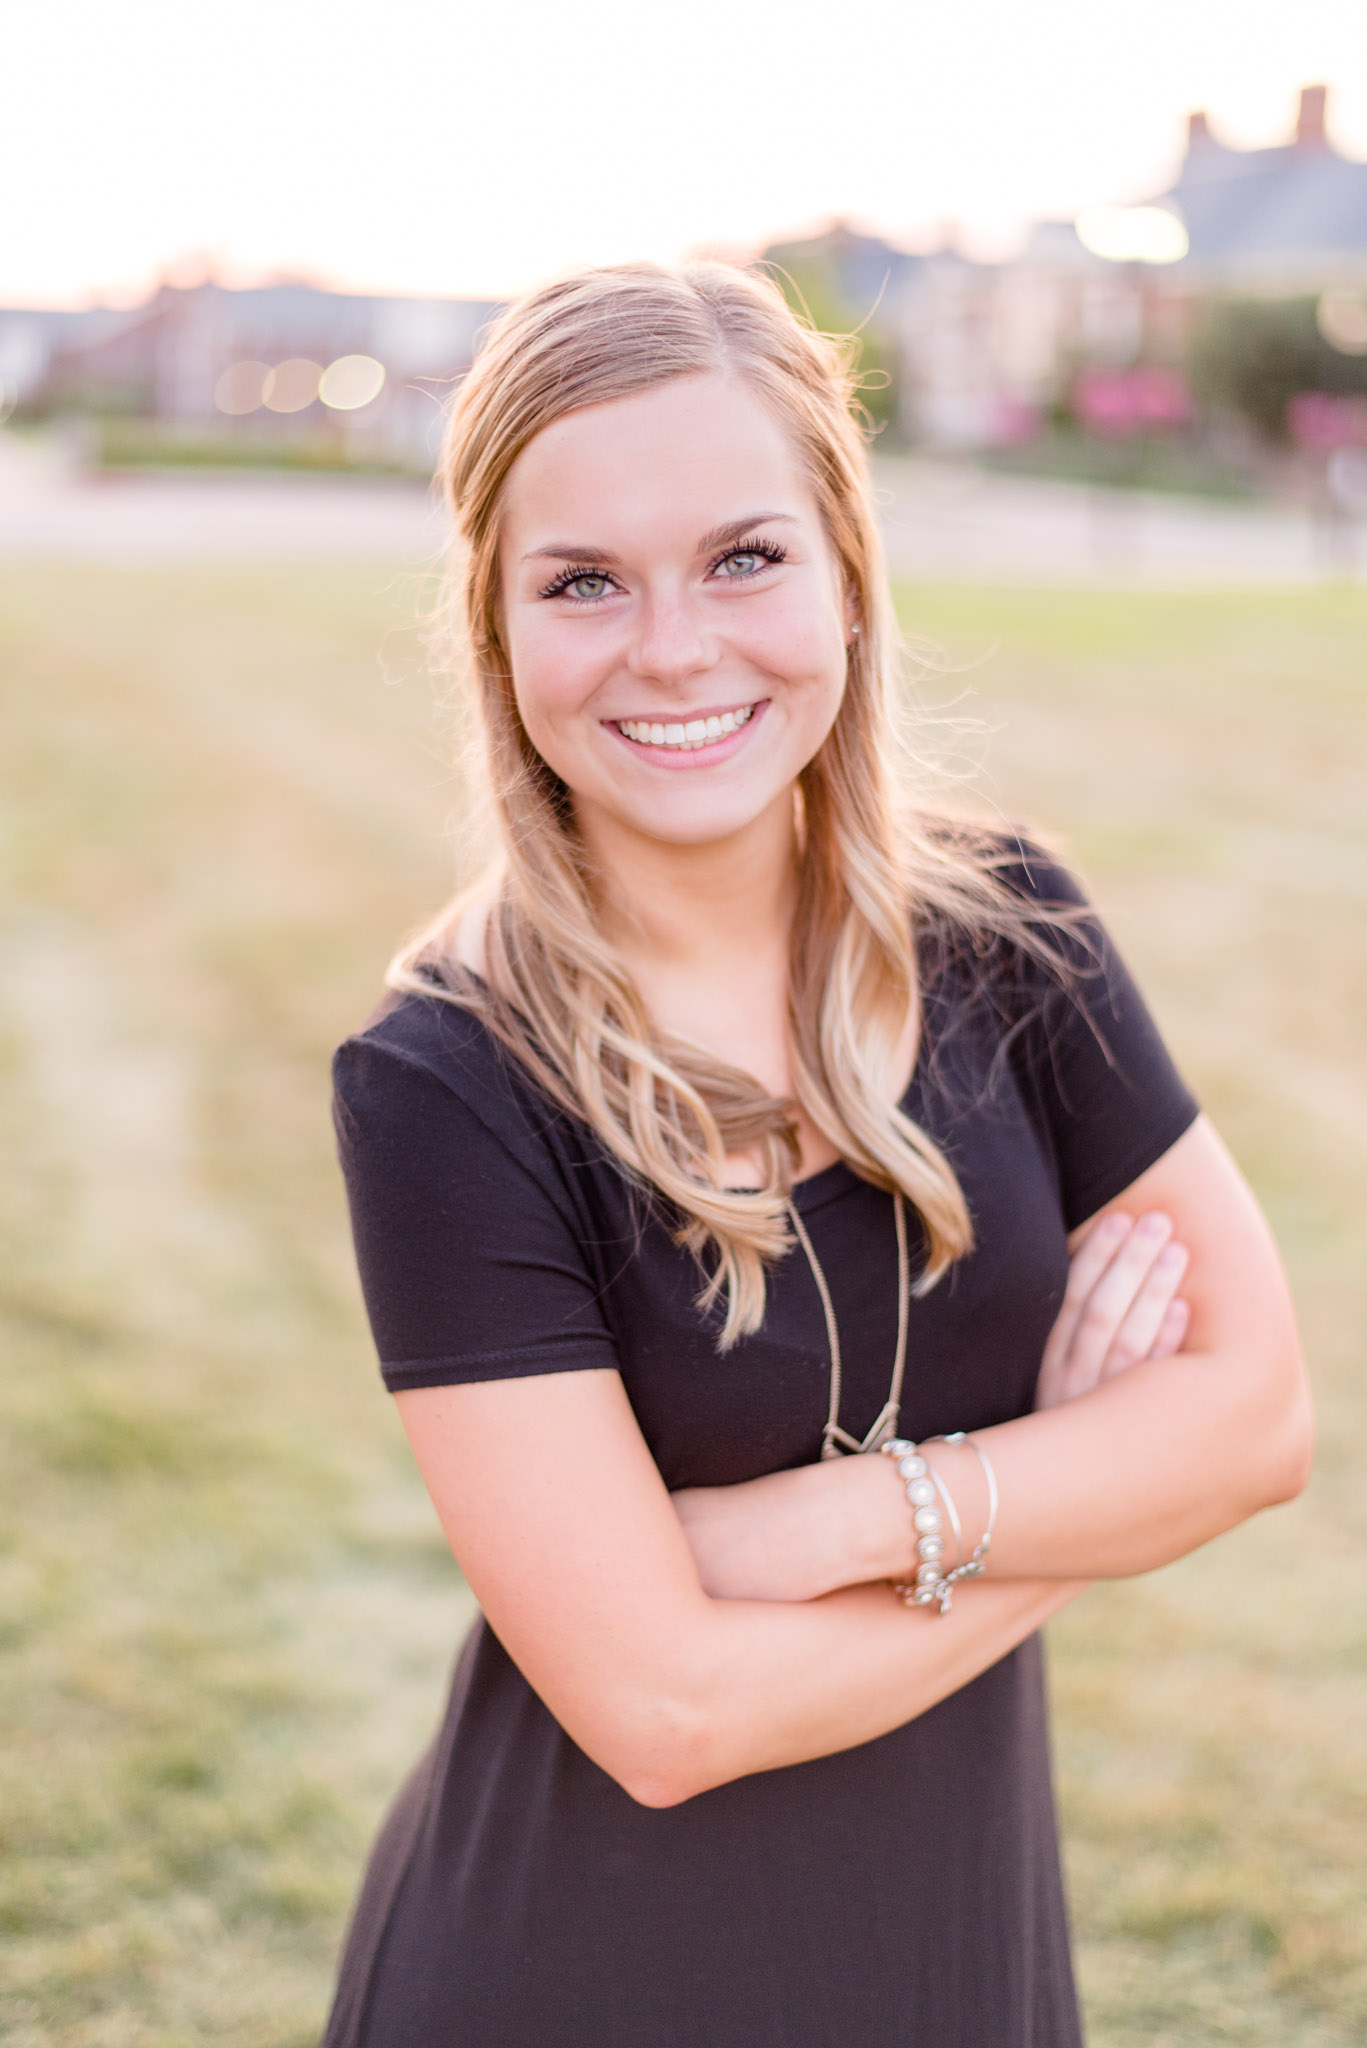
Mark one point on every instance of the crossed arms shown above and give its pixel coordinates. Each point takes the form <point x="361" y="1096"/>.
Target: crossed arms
<point x="685" y="1641"/>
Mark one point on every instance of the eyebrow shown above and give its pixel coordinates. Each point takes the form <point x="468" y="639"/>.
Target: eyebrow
<point x="719" y="537"/>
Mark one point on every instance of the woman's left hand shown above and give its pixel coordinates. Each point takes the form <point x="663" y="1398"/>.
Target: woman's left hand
<point x="798" y="1534"/>
<point x="1121" y="1305"/>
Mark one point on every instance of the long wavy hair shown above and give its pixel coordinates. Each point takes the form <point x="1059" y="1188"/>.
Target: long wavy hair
<point x="553" y="988"/>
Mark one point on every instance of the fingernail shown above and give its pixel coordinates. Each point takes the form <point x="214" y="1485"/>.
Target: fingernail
<point x="1172" y="1255"/>
<point x="1155" y="1224"/>
<point x="1116" y="1224"/>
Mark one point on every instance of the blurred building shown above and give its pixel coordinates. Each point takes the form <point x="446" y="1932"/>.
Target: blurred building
<point x="1287" y="220"/>
<point x="987" y="353"/>
<point x="977" y="350"/>
<point x="1092" y="323"/>
<point x="255" y="367"/>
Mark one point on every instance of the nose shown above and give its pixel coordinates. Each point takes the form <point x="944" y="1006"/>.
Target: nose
<point x="670" y="642"/>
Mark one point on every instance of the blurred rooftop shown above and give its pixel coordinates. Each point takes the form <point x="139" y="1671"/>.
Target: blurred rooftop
<point x="1287" y="217"/>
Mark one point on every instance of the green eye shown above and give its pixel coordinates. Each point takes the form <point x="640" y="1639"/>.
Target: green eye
<point x="739" y="564"/>
<point x="581" y="586"/>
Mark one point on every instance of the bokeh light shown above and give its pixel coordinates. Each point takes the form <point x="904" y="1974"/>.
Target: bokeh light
<point x="292" y="385"/>
<point x="1342" y="319"/>
<point x="351" y="382"/>
<point x="1133" y="234"/>
<point x="240" y="388"/>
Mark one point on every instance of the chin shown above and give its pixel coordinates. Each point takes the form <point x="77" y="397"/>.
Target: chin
<point x="694" y="827"/>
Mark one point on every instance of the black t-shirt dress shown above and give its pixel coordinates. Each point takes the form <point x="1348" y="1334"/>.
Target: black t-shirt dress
<point x="906" y="1891"/>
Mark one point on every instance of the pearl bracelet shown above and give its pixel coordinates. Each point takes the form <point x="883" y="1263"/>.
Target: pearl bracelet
<point x="922" y="1489"/>
<point x="923" y="1486"/>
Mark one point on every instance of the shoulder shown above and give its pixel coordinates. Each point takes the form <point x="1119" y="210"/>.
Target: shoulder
<point x="1007" y="913"/>
<point x="472" y="1225"/>
<point x="1038" y="877"/>
<point x="427" y="1031"/>
<point x="1013" y="859"/>
<point x="422" y="1061"/>
<point x="1035" y="993"/>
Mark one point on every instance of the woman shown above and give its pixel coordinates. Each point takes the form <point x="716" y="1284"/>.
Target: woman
<point x="733" y="1125"/>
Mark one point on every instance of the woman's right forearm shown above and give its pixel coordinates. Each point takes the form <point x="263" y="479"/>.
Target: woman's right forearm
<point x="771" y="1684"/>
<point x="571" y="1545"/>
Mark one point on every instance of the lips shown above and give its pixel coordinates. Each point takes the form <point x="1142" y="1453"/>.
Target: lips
<point x="685" y="736"/>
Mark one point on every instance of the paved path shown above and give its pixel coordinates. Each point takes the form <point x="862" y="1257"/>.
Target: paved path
<point x="942" y="522"/>
<point x="51" y="509"/>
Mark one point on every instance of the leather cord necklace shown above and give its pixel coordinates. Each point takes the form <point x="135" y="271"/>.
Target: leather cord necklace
<point x="835" y="1441"/>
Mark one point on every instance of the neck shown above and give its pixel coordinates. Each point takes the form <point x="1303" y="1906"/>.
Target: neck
<point x="672" y="905"/>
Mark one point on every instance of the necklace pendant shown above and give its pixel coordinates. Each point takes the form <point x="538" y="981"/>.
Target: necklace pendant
<point x="835" y="1441"/>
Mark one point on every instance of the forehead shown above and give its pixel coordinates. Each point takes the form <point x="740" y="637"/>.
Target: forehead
<point x="685" y="456"/>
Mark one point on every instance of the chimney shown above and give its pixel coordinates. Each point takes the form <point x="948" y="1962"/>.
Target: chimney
<point x="1198" y="132"/>
<point x="1310" y="121"/>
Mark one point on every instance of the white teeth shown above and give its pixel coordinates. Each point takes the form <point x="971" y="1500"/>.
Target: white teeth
<point x="699" y="732"/>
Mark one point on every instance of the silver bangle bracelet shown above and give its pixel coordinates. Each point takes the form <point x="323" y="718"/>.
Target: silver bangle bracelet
<point x="976" y="1565"/>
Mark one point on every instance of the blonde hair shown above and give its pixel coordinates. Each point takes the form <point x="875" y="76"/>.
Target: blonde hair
<point x="554" y="989"/>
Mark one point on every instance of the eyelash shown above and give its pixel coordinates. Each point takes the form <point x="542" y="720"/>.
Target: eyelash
<point x="769" y="550"/>
<point x="559" y="584"/>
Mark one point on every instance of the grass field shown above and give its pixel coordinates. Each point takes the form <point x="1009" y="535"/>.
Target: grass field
<point x="225" y="1612"/>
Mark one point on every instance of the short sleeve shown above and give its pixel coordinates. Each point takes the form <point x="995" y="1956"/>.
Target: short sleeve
<point x="1104" y="1085"/>
<point x="470" y="1261"/>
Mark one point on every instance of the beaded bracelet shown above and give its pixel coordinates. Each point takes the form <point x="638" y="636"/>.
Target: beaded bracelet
<point x="923" y="1484"/>
<point x="923" y="1487"/>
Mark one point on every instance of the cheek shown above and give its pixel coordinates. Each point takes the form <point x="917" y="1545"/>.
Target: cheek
<point x="806" y="650"/>
<point x="554" y="675"/>
<point x="802" y="638"/>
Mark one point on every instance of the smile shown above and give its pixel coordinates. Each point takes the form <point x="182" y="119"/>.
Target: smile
<point x="698" y="732"/>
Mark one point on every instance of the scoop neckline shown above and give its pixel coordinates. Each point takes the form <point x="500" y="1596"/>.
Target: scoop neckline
<point x="815" y="1188"/>
<point x="810" y="1192"/>
<point x="836" y="1179"/>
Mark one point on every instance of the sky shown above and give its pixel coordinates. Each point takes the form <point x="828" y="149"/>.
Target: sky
<point x="440" y="147"/>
